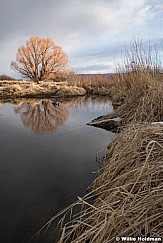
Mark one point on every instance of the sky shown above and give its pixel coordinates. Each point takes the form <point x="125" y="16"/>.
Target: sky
<point x="93" y="33"/>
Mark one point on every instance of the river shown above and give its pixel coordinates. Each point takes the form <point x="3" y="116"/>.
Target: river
<point x="47" y="156"/>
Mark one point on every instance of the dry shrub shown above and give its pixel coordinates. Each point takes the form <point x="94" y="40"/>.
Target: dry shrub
<point x="128" y="195"/>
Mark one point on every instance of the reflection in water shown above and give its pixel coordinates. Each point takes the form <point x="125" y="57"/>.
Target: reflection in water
<point x="42" y="175"/>
<point x="42" y="116"/>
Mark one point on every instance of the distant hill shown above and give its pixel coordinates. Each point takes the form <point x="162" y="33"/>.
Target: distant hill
<point x="6" y="77"/>
<point x="96" y="74"/>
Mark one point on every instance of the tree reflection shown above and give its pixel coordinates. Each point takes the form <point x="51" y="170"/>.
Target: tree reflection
<point x="42" y="116"/>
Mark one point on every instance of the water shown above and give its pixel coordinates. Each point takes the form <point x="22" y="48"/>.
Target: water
<point x="47" y="156"/>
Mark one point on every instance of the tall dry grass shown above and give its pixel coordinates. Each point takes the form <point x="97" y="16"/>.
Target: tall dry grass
<point x="139" y="86"/>
<point x="128" y="196"/>
<point x="98" y="84"/>
<point x="142" y="104"/>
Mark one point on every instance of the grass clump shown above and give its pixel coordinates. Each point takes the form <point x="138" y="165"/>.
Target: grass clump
<point x="70" y="91"/>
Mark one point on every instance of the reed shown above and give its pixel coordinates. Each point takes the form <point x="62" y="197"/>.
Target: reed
<point x="139" y="86"/>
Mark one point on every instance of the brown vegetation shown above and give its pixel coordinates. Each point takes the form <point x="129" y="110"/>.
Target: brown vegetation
<point x="142" y="103"/>
<point x="98" y="84"/>
<point x="139" y="87"/>
<point x="39" y="59"/>
<point x="128" y="196"/>
<point x="29" y="89"/>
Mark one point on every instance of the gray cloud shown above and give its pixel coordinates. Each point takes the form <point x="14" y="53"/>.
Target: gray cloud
<point x="97" y="68"/>
<point x="86" y="29"/>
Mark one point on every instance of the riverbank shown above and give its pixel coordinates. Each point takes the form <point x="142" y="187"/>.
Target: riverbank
<point x="27" y="89"/>
<point x="138" y="97"/>
<point x="127" y="198"/>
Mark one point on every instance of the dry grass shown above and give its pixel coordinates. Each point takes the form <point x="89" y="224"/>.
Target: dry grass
<point x="43" y="89"/>
<point x="143" y="104"/>
<point x="134" y="82"/>
<point x="93" y="84"/>
<point x="65" y="90"/>
<point x="139" y="86"/>
<point x="140" y="70"/>
<point x="128" y="194"/>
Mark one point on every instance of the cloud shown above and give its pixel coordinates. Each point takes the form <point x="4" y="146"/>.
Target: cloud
<point x="70" y="17"/>
<point x="97" y="68"/>
<point x="91" y="29"/>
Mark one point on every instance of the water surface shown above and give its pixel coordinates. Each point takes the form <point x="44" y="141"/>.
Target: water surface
<point x="47" y="155"/>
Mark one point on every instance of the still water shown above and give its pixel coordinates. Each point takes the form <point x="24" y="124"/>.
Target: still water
<point x="47" y="156"/>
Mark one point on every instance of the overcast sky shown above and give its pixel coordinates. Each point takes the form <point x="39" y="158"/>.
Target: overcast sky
<point x="91" y="32"/>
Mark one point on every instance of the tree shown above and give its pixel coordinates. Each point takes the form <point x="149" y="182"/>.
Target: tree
<point x="39" y="59"/>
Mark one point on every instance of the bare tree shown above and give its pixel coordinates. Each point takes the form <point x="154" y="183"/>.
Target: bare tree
<point x="39" y="59"/>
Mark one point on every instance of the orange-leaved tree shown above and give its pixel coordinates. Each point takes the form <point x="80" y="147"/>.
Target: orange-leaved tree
<point x="39" y="59"/>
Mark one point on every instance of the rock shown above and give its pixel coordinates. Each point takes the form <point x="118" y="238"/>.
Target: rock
<point x="106" y="123"/>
